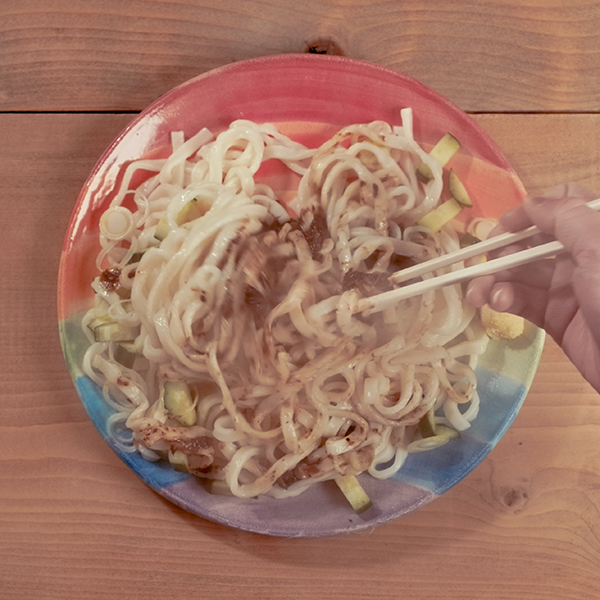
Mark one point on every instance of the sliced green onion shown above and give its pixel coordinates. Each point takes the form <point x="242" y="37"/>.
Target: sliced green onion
<point x="116" y="223"/>
<point x="179" y="403"/>
<point x="443" y="435"/>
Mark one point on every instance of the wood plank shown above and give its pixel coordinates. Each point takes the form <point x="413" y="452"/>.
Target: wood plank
<point x="546" y="150"/>
<point x="45" y="161"/>
<point x="76" y="524"/>
<point x="73" y="55"/>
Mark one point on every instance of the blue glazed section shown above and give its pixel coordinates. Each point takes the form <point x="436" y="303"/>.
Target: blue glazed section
<point x="422" y="478"/>
<point x="435" y="471"/>
<point x="438" y="470"/>
<point x="94" y="404"/>
<point x="157" y="475"/>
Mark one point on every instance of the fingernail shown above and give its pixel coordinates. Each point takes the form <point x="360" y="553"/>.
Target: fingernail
<point x="495" y="296"/>
<point x="500" y="299"/>
<point x="509" y="215"/>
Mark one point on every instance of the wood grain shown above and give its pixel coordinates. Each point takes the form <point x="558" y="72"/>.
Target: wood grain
<point x="75" y="523"/>
<point x="546" y="150"/>
<point x="508" y="55"/>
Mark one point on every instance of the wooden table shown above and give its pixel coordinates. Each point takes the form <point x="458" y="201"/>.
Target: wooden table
<point x="75" y="523"/>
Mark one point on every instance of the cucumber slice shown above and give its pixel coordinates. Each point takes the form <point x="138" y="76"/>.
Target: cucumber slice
<point x="179" y="461"/>
<point x="97" y="321"/>
<point x="354" y="493"/>
<point x="426" y="444"/>
<point x="458" y="191"/>
<point x="449" y="431"/>
<point x="442" y="214"/>
<point x="125" y="354"/>
<point x="427" y="426"/>
<point x="193" y="210"/>
<point x="219" y="487"/>
<point x="468" y="239"/>
<point x="115" y="332"/>
<point x="444" y="150"/>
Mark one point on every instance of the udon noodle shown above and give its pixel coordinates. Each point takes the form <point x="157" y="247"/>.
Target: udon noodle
<point x="245" y="304"/>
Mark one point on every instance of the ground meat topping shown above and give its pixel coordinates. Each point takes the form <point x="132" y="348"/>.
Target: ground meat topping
<point x="317" y="232"/>
<point x="109" y="278"/>
<point x="199" y="445"/>
<point x="368" y="284"/>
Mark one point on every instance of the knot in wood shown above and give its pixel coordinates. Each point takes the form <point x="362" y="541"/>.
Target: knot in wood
<point x="324" y="46"/>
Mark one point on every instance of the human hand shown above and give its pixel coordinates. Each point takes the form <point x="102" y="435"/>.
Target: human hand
<point x="561" y="294"/>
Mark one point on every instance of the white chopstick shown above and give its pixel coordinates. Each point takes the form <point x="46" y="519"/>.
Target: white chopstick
<point x="379" y="302"/>
<point x="488" y="245"/>
<point x="384" y="300"/>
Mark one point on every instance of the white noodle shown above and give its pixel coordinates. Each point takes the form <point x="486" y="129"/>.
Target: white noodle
<point x="251" y="304"/>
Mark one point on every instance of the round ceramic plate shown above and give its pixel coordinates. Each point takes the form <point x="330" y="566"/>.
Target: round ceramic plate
<point x="309" y="97"/>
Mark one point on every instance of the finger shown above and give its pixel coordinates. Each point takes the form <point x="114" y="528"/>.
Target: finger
<point x="535" y="275"/>
<point x="502" y="297"/>
<point x="514" y="219"/>
<point x="529" y="303"/>
<point x="547" y="211"/>
<point x="510" y="297"/>
<point x="479" y="289"/>
<point x="578" y="229"/>
<point x="518" y="218"/>
<point x="586" y="283"/>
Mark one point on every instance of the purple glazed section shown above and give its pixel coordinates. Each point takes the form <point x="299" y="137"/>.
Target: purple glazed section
<point x="320" y="511"/>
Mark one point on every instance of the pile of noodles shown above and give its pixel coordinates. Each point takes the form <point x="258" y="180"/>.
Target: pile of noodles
<point x="251" y="305"/>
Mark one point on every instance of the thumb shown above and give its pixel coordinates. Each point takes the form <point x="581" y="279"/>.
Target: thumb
<point x="577" y="227"/>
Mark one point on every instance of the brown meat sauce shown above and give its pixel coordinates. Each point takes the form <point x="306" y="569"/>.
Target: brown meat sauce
<point x="303" y="470"/>
<point x="368" y="284"/>
<point x="317" y="233"/>
<point x="110" y="278"/>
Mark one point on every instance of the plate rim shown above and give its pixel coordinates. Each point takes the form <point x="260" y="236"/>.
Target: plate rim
<point x="258" y="64"/>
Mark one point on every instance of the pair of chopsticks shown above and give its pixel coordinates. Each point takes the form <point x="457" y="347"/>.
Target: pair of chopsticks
<point x="380" y="302"/>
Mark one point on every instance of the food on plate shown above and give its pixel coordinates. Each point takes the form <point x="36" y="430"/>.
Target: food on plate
<point x="501" y="326"/>
<point x="443" y="151"/>
<point x="354" y="493"/>
<point x="223" y="334"/>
